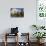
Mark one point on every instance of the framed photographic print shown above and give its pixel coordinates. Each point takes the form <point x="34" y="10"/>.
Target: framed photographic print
<point x="17" y="12"/>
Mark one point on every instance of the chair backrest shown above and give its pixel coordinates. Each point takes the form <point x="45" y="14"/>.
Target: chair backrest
<point x="14" y="30"/>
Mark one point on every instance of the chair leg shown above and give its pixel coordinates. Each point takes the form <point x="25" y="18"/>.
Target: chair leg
<point x="5" y="43"/>
<point x="17" y="39"/>
<point x="5" y="40"/>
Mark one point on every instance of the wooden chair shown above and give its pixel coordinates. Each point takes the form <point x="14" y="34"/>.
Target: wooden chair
<point x="27" y="43"/>
<point x="8" y="34"/>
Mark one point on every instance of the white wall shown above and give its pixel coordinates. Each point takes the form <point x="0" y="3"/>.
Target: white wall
<point x="24" y="23"/>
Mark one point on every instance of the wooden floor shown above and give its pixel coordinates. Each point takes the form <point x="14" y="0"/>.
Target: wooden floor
<point x="13" y="44"/>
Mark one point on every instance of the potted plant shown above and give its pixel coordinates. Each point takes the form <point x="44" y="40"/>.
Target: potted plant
<point x="39" y="35"/>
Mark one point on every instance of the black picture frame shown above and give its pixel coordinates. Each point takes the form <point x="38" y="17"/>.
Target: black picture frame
<point x="17" y="12"/>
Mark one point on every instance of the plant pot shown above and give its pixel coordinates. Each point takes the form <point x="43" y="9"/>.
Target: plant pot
<point x="40" y="41"/>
